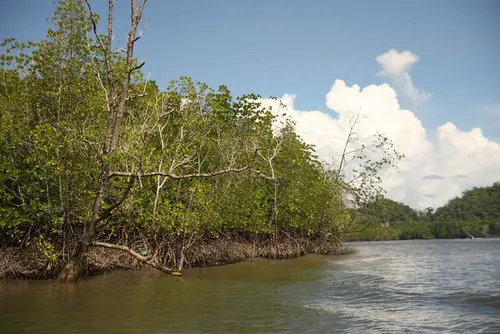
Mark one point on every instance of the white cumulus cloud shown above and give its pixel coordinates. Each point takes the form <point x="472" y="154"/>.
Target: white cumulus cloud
<point x="397" y="65"/>
<point x="431" y="173"/>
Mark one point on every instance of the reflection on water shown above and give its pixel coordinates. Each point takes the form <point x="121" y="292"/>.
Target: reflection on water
<point x="387" y="287"/>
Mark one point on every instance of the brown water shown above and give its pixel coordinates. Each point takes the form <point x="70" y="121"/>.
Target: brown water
<point x="387" y="287"/>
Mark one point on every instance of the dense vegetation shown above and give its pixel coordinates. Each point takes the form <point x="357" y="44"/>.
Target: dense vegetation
<point x="475" y="214"/>
<point x="103" y="169"/>
<point x="97" y="163"/>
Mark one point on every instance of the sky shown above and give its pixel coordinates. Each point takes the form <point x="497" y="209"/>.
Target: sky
<point x="425" y="73"/>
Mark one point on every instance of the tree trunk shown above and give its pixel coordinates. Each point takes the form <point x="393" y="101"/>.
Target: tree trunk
<point x="76" y="266"/>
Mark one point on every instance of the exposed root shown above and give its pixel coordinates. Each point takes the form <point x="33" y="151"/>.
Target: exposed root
<point x="26" y="263"/>
<point x="169" y="253"/>
<point x="144" y="259"/>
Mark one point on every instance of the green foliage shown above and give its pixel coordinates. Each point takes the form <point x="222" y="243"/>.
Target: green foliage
<point x="203" y="162"/>
<point x="47" y="248"/>
<point x="481" y="203"/>
<point x="374" y="233"/>
<point x="475" y="214"/>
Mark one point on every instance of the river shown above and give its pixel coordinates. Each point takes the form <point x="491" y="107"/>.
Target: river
<point x="417" y="286"/>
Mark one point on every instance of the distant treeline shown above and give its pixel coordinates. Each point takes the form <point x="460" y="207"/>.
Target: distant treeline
<point x="475" y="214"/>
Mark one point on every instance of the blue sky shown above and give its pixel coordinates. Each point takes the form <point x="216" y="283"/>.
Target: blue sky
<point x="301" y="47"/>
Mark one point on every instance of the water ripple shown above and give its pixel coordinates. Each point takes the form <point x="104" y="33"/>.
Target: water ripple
<point x="419" y="286"/>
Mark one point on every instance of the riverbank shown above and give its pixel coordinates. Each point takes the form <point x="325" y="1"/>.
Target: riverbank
<point x="33" y="262"/>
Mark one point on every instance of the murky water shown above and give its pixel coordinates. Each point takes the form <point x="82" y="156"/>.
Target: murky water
<point x="387" y="287"/>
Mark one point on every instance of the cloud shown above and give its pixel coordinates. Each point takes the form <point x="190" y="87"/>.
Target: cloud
<point x="416" y="94"/>
<point x="396" y="65"/>
<point x="434" y="177"/>
<point x="431" y="173"/>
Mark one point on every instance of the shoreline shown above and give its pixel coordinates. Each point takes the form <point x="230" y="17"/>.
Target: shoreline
<point x="30" y="263"/>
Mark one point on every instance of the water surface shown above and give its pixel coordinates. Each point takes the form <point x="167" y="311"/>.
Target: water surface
<point x="386" y="287"/>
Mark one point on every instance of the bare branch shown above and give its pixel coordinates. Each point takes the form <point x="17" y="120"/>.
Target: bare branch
<point x="99" y="40"/>
<point x="124" y="195"/>
<point x="179" y="177"/>
<point x="135" y="16"/>
<point x="111" y="4"/>
<point x="137" y="67"/>
<point x="144" y="259"/>
<point x="262" y="174"/>
<point x="132" y="97"/>
<point x="348" y="141"/>
<point x="123" y="248"/>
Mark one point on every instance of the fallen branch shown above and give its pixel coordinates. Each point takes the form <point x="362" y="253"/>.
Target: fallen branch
<point x="144" y="259"/>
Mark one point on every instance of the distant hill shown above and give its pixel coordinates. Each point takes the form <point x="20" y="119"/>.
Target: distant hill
<point x="477" y="203"/>
<point x="474" y="214"/>
<point x="384" y="211"/>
